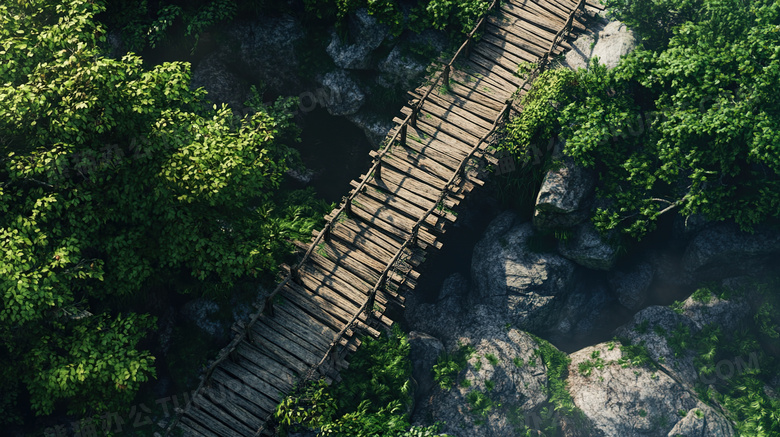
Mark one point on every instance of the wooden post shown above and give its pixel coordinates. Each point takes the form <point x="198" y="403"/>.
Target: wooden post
<point x="269" y="306"/>
<point x="415" y="110"/>
<point x="403" y="136"/>
<point x="233" y="355"/>
<point x="370" y="304"/>
<point x="467" y="47"/>
<point x="445" y="76"/>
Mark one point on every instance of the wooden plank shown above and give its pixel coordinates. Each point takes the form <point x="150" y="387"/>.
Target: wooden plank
<point x="282" y="356"/>
<point x="361" y="233"/>
<point x="194" y="428"/>
<point x="266" y="368"/>
<point x="456" y="117"/>
<point x="542" y="38"/>
<point x="398" y="220"/>
<point x="308" y="327"/>
<point x="445" y="126"/>
<point x="262" y="395"/>
<point x="287" y="328"/>
<point x="466" y="91"/>
<point x="445" y="144"/>
<point x="400" y="202"/>
<point x="344" y="280"/>
<point x="248" y="413"/>
<point x="253" y="386"/>
<point x="519" y="53"/>
<point x="452" y="100"/>
<point x="497" y="66"/>
<point x="334" y="298"/>
<point x="432" y="175"/>
<point x="526" y="44"/>
<point x="226" y="417"/>
<point x="316" y="306"/>
<point x="204" y="418"/>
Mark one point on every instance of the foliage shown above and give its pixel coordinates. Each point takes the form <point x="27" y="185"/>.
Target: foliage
<point x="449" y="366"/>
<point x="733" y="370"/>
<point x="688" y="127"/>
<point x="654" y="20"/>
<point x="147" y="25"/>
<point x="371" y="399"/>
<point x="114" y="180"/>
<point x="557" y="367"/>
<point x="453" y="16"/>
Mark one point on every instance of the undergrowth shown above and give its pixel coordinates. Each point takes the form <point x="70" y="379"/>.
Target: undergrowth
<point x="372" y="399"/>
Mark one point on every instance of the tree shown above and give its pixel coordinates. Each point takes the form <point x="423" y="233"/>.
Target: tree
<point x="112" y="178"/>
<point x="692" y="126"/>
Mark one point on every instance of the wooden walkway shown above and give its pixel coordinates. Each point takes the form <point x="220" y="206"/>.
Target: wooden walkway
<point x="367" y="253"/>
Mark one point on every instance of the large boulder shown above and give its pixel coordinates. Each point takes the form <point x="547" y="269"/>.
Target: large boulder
<point x="606" y="40"/>
<point x="624" y="398"/>
<point x="650" y="328"/>
<point x="424" y="350"/>
<point x="266" y="52"/>
<point x="503" y="381"/>
<point x="584" y="311"/>
<point x="366" y="34"/>
<point x="712" y="253"/>
<point x="443" y="317"/>
<point x="589" y="248"/>
<point x="562" y="201"/>
<point x="631" y="285"/>
<point x="350" y="97"/>
<point x="376" y="127"/>
<point x="506" y="274"/>
<point x="223" y="83"/>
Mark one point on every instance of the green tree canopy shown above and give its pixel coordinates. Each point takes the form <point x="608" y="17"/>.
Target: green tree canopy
<point x="693" y="126"/>
<point x="114" y="177"/>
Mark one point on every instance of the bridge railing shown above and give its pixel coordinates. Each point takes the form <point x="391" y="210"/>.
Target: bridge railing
<point x="293" y="275"/>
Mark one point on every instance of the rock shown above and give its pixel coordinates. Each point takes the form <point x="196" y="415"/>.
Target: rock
<point x="266" y="52"/>
<point x="607" y="40"/>
<point x="712" y="310"/>
<point x="220" y="80"/>
<point x="373" y="125"/>
<point x="201" y="312"/>
<point x="423" y="353"/>
<point x="583" y="310"/>
<point x="622" y="399"/>
<point x="303" y="176"/>
<point x="695" y="424"/>
<point x="563" y="197"/>
<point x="367" y="33"/>
<point x="502" y="372"/>
<point x="531" y="286"/>
<point x="400" y="69"/>
<point x="351" y="98"/>
<point x="650" y="328"/>
<point x="712" y="253"/>
<point x="588" y="248"/>
<point x="443" y="318"/>
<point x="631" y="286"/>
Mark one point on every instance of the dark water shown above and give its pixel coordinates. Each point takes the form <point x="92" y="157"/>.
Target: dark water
<point x="336" y="150"/>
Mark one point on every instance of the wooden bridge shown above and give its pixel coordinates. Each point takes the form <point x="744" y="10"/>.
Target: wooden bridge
<point x="357" y="266"/>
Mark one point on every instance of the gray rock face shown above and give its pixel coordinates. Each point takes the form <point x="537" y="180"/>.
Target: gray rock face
<point x="531" y="286"/>
<point x="633" y="400"/>
<point x="697" y="423"/>
<point x="367" y="34"/>
<point x="725" y="313"/>
<point x="423" y="353"/>
<point x="583" y="309"/>
<point x="494" y="371"/>
<point x="607" y="40"/>
<point x="266" y="52"/>
<point x="723" y="250"/>
<point x="400" y="69"/>
<point x="444" y="317"/>
<point x="223" y="85"/>
<point x="201" y="312"/>
<point x="351" y="98"/>
<point x="375" y="127"/>
<point x="588" y="248"/>
<point x="650" y="327"/>
<point x="563" y="197"/>
<point x="631" y="286"/>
